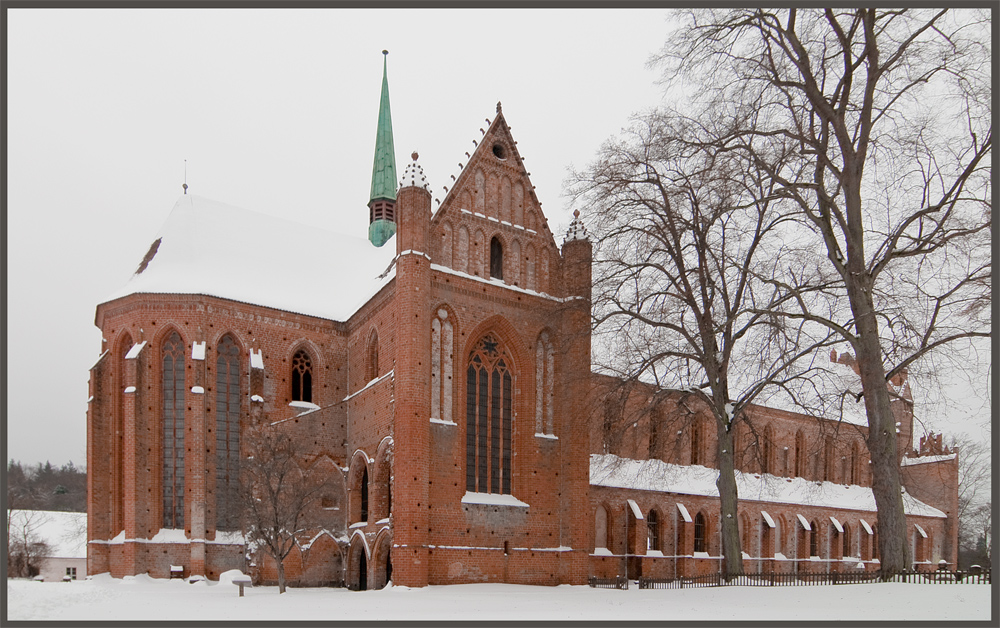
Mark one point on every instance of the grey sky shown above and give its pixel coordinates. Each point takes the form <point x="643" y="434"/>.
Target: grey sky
<point x="274" y="111"/>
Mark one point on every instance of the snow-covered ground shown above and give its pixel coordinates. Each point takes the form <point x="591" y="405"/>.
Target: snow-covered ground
<point x="144" y="598"/>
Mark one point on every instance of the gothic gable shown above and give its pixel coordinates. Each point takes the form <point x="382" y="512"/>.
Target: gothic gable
<point x="492" y="198"/>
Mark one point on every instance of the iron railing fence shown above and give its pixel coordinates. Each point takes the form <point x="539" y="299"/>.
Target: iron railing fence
<point x="797" y="579"/>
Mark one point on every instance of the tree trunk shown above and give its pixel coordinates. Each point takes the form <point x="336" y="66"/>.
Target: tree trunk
<point x="886" y="487"/>
<point x="732" y="556"/>
<point x="281" y="576"/>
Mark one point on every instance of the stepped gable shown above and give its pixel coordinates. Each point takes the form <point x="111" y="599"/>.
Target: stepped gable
<point x="493" y="194"/>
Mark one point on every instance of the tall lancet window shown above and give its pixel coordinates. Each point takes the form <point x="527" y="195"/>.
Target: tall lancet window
<point x="172" y="378"/>
<point x="442" y="336"/>
<point x="544" y="377"/>
<point x="227" y="434"/>
<point x="489" y="402"/>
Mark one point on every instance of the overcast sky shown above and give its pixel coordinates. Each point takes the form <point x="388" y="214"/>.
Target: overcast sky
<point x="274" y="111"/>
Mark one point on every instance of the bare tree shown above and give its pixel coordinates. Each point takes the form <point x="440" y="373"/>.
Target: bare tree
<point x="25" y="548"/>
<point x="889" y="114"/>
<point x="279" y="496"/>
<point x="680" y="223"/>
<point x="975" y="478"/>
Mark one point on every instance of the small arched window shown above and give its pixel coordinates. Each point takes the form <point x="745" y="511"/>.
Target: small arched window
<point x="496" y="258"/>
<point x="813" y="539"/>
<point x="696" y="443"/>
<point x="700" y="533"/>
<point x="601" y="527"/>
<point x="653" y="530"/>
<point x="371" y="370"/>
<point x="301" y="376"/>
<point x="847" y="541"/>
<point x="800" y="454"/>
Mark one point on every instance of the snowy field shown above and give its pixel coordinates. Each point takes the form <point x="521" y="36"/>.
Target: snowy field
<point x="144" y="598"/>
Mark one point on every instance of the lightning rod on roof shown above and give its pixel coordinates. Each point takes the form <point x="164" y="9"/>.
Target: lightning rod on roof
<point x="185" y="186"/>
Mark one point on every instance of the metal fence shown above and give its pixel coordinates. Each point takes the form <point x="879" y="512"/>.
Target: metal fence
<point x="796" y="579"/>
<point x="618" y="582"/>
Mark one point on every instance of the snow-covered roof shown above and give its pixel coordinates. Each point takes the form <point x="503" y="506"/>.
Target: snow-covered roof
<point x="656" y="475"/>
<point x="925" y="459"/>
<point x="64" y="532"/>
<point x="223" y="251"/>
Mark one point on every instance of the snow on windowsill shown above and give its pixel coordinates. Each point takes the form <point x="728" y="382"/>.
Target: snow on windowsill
<point x="548" y="436"/>
<point x="652" y="552"/>
<point x="198" y="390"/>
<point x="257" y="398"/>
<point x="304" y="406"/>
<point x="492" y="499"/>
<point x="359" y="524"/>
<point x="130" y="389"/>
<point x="443" y="422"/>
<point x="381" y="521"/>
<point x="701" y="555"/>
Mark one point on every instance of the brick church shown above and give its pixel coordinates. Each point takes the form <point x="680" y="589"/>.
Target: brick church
<point x="444" y="390"/>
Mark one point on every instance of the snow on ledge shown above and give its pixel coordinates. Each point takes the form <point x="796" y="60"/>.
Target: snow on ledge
<point x="133" y="353"/>
<point x="492" y="499"/>
<point x="905" y="462"/>
<point x="257" y="359"/>
<point x="303" y="405"/>
<point x="198" y="390"/>
<point x="130" y="389"/>
<point x="548" y="436"/>
<point x="443" y="422"/>
<point x="198" y="350"/>
<point x="499" y="284"/>
<point x="257" y="398"/>
<point x="602" y="551"/>
<point x="368" y="385"/>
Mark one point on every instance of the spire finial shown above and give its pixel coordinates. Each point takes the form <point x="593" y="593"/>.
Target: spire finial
<point x="498" y="106"/>
<point x="382" y="200"/>
<point x="185" y="186"/>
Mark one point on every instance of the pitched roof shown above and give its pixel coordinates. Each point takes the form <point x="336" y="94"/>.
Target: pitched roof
<point x="210" y="248"/>
<point x="656" y="475"/>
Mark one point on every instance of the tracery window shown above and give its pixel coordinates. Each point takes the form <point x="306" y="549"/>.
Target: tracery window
<point x="227" y="434"/>
<point x="489" y="402"/>
<point x="699" y="533"/>
<point x="301" y="376"/>
<point x="172" y="420"/>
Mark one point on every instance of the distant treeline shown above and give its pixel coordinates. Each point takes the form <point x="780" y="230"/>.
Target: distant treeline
<point x="45" y="487"/>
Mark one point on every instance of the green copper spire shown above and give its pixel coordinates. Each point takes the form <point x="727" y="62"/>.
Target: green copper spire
<point x="383" y="196"/>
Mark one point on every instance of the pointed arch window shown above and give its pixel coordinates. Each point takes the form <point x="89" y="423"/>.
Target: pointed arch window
<point x="696" y="443"/>
<point x="800" y="454"/>
<point x="364" y="495"/>
<point x="489" y="403"/>
<point x="700" y="533"/>
<point x="227" y="433"/>
<point x="653" y="530"/>
<point x="172" y="421"/>
<point x="301" y="376"/>
<point x="496" y="258"/>
<point x="118" y="442"/>
<point x="813" y="539"/>
<point x="371" y="370"/>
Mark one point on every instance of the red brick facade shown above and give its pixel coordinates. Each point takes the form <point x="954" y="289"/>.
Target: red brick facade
<point x="395" y="420"/>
